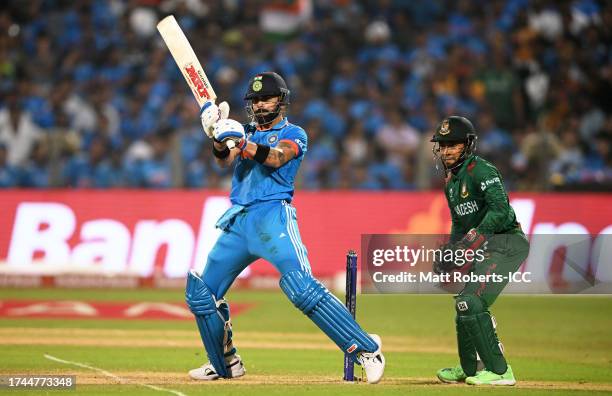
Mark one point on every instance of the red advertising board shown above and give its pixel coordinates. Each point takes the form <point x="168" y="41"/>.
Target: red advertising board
<point x="147" y="233"/>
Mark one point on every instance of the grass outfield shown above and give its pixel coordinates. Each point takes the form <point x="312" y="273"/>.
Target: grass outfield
<point x="556" y="344"/>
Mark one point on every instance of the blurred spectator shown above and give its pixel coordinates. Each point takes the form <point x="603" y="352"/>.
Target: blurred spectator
<point x="361" y="73"/>
<point x="156" y="170"/>
<point x="493" y="141"/>
<point x="91" y="169"/>
<point x="355" y="144"/>
<point x="384" y="172"/>
<point x="9" y="175"/>
<point x="598" y="159"/>
<point x="196" y="174"/>
<point x="37" y="172"/>
<point x="566" y="167"/>
<point x="538" y="148"/>
<point x="407" y="181"/>
<point x="322" y="155"/>
<point x="18" y="133"/>
<point x="362" y="179"/>
<point x="502" y="91"/>
<point x="398" y="138"/>
<point x="545" y="19"/>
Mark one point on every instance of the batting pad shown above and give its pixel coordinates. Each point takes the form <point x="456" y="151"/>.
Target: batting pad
<point x="210" y="322"/>
<point x="327" y="312"/>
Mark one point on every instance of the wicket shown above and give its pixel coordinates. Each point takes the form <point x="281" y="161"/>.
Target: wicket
<point x="351" y="305"/>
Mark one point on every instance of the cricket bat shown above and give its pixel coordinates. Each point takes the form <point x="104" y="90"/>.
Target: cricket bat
<point x="186" y="60"/>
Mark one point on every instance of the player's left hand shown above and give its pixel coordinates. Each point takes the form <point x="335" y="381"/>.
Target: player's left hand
<point x="230" y="132"/>
<point x="473" y="241"/>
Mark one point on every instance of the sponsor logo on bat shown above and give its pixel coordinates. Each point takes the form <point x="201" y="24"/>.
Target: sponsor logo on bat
<point x="197" y="81"/>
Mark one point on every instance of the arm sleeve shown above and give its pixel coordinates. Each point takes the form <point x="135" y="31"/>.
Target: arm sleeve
<point x="498" y="207"/>
<point x="298" y="139"/>
<point x="455" y="232"/>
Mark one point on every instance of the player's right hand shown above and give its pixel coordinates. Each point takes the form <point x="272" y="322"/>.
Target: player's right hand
<point x="230" y="132"/>
<point x="211" y="113"/>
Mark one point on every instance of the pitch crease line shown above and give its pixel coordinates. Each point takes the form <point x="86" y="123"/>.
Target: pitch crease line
<point x="111" y="375"/>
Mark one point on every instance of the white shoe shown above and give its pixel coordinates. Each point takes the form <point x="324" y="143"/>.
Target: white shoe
<point x="373" y="362"/>
<point x="207" y="372"/>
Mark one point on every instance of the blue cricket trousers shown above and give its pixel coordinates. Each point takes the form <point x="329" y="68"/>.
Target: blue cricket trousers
<point x="265" y="230"/>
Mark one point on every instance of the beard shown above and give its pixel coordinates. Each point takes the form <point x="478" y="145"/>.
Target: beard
<point x="261" y="113"/>
<point x="264" y="116"/>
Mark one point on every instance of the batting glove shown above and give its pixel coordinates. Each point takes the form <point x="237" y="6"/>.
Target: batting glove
<point x="210" y="113"/>
<point x="230" y="132"/>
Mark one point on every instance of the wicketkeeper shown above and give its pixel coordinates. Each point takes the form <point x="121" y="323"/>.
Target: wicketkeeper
<point x="482" y="219"/>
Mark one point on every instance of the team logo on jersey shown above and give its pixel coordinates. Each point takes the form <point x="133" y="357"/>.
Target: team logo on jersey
<point x="272" y="139"/>
<point x="444" y="128"/>
<point x="257" y="86"/>
<point x="464" y="191"/>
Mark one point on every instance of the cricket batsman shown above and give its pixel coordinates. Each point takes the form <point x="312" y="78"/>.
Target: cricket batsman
<point x="482" y="220"/>
<point x="261" y="223"/>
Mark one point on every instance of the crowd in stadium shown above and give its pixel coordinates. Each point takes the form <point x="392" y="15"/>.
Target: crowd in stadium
<point x="90" y="97"/>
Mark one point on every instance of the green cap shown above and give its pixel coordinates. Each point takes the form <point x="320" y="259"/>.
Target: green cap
<point x="454" y="129"/>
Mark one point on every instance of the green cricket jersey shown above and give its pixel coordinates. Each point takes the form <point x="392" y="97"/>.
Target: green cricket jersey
<point x="477" y="199"/>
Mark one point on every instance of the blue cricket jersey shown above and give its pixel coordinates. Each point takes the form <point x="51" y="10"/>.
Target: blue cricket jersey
<point x="253" y="182"/>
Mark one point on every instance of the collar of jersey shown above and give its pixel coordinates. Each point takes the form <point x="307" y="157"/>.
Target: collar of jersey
<point x="278" y="126"/>
<point x="465" y="163"/>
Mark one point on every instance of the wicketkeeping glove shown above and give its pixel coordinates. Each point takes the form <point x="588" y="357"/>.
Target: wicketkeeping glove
<point x="473" y="240"/>
<point x="443" y="265"/>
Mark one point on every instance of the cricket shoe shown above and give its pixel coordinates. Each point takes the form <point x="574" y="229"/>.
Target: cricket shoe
<point x="452" y="375"/>
<point x="486" y="377"/>
<point x="207" y="372"/>
<point x="373" y="362"/>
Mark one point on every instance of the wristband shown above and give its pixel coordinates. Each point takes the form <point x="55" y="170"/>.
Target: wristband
<point x="241" y="144"/>
<point x="221" y="154"/>
<point x="261" y="154"/>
